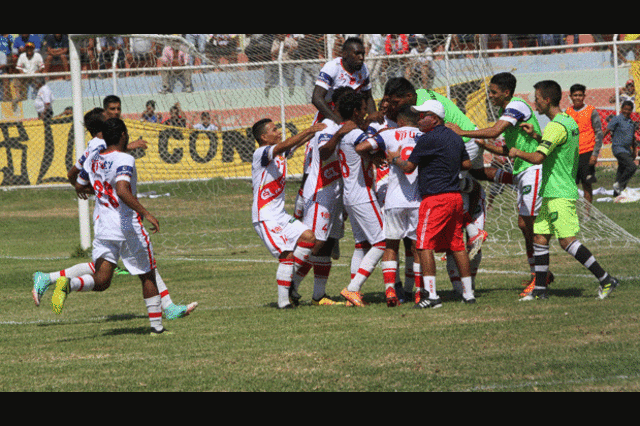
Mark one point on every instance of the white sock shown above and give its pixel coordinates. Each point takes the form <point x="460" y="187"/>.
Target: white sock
<point x="368" y="264"/>
<point x="154" y="309"/>
<point x="82" y="283"/>
<point x="163" y="290"/>
<point x="73" y="271"/>
<point x="467" y="287"/>
<point x="472" y="230"/>
<point x="284" y="275"/>
<point x="430" y="286"/>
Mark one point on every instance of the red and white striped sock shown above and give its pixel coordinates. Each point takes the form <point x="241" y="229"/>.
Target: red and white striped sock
<point x="82" y="283"/>
<point x="73" y="271"/>
<point x="368" y="264"/>
<point x="154" y="309"/>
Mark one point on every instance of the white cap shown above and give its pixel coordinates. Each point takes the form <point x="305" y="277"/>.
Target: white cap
<point x="431" y="106"/>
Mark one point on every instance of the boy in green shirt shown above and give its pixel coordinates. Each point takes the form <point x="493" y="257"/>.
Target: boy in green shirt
<point x="558" y="150"/>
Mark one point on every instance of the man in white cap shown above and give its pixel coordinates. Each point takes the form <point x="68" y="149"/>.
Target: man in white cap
<point x="439" y="156"/>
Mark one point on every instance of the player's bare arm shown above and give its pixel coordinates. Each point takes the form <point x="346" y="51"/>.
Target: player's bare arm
<point x="139" y="143"/>
<point x="488" y="133"/>
<point x="318" y="100"/>
<point x="394" y="158"/>
<point x="528" y="129"/>
<point x="531" y="157"/>
<point x="298" y="140"/>
<point x="123" y="189"/>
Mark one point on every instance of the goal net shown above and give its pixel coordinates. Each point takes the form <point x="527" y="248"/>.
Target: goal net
<point x="195" y="98"/>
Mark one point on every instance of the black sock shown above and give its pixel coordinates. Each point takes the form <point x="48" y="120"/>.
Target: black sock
<point x="584" y="256"/>
<point x="541" y="256"/>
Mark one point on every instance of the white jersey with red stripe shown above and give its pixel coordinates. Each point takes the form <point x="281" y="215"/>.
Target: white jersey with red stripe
<point x="113" y="218"/>
<point x="269" y="178"/>
<point x="333" y="75"/>
<point x="402" y="189"/>
<point x="324" y="179"/>
<point x="358" y="174"/>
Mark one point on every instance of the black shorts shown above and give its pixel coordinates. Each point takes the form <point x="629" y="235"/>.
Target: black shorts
<point x="586" y="173"/>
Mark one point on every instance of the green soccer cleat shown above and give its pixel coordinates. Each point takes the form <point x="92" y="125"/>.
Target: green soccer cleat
<point x="60" y="293"/>
<point x="41" y="283"/>
<point x="174" y="311"/>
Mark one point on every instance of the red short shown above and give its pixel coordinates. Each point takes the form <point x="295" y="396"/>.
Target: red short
<point x="441" y="222"/>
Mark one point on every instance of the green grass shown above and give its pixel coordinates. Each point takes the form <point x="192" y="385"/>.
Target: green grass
<point x="238" y="341"/>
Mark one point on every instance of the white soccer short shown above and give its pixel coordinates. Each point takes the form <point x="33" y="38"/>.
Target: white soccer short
<point x="280" y="237"/>
<point x="366" y="222"/>
<point x="401" y="223"/>
<point x="528" y="186"/>
<point x="136" y="253"/>
<point x="325" y="222"/>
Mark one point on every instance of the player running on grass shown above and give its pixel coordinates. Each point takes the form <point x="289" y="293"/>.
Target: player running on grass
<point x="93" y="121"/>
<point x="119" y="231"/>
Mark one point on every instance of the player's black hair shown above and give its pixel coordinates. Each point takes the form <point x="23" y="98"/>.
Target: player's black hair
<point x="111" y="99"/>
<point x="258" y="128"/>
<point x="505" y="81"/>
<point x="337" y="93"/>
<point x="349" y="102"/>
<point x="578" y="88"/>
<point x="551" y="90"/>
<point x="408" y="113"/>
<point x="112" y="130"/>
<point x="350" y="42"/>
<point x="94" y="120"/>
<point x="627" y="103"/>
<point x="398" y="86"/>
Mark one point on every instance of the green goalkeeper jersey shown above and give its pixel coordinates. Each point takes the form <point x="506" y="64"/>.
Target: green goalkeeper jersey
<point x="452" y="113"/>
<point x="560" y="145"/>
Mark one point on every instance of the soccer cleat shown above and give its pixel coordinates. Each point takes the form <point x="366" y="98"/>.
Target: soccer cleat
<point x="120" y="271"/>
<point x="354" y="297"/>
<point x="475" y="243"/>
<point x="538" y="293"/>
<point x="156" y="332"/>
<point x="60" y="293"/>
<point x="607" y="287"/>
<point x="41" y="283"/>
<point x="174" y="311"/>
<point x="420" y="295"/>
<point x="325" y="301"/>
<point x="391" y="297"/>
<point x="469" y="301"/>
<point x="427" y="303"/>
<point x="287" y="306"/>
<point x="294" y="296"/>
<point x="531" y="284"/>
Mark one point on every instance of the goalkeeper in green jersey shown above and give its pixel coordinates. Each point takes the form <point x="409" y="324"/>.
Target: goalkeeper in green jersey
<point x="558" y="151"/>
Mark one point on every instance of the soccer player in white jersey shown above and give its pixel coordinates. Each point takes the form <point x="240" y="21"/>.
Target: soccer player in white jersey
<point x="286" y="238"/>
<point x="119" y="231"/>
<point x="93" y="121"/>
<point x="359" y="196"/>
<point x="348" y="70"/>
<point x="323" y="205"/>
<point x="402" y="201"/>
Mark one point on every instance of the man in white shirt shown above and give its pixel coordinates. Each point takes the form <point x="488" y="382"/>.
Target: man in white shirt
<point x="44" y="99"/>
<point x="29" y="63"/>
<point x="119" y="231"/>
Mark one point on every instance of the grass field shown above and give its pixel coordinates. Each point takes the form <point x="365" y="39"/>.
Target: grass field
<point x="238" y="341"/>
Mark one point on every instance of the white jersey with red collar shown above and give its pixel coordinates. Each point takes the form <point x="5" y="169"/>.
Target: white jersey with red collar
<point x="402" y="190"/>
<point x="357" y="173"/>
<point x="269" y="177"/>
<point x="114" y="220"/>
<point x="333" y="75"/>
<point x="324" y="180"/>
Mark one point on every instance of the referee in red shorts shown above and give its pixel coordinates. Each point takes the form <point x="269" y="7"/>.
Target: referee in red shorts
<point x="439" y="155"/>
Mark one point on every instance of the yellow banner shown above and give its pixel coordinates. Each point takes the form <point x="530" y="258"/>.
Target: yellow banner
<point x="37" y="152"/>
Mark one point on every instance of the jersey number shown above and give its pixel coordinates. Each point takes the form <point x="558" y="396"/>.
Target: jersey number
<point x="105" y="190"/>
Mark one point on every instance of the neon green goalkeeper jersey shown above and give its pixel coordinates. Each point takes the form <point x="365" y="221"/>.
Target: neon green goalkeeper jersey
<point x="560" y="145"/>
<point x="452" y="113"/>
